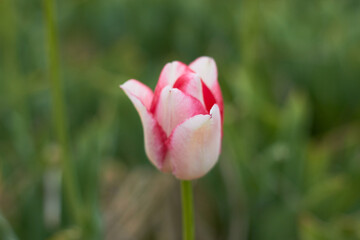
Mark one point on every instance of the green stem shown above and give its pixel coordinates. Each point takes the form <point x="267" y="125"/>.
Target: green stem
<point x="58" y="109"/>
<point x="187" y="210"/>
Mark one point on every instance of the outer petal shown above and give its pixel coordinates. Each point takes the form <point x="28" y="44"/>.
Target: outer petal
<point x="154" y="135"/>
<point x="170" y="73"/>
<point x="206" y="68"/>
<point x="139" y="90"/>
<point x="194" y="145"/>
<point x="174" y="107"/>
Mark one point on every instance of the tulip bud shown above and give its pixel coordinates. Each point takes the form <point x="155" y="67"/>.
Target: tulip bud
<point x="182" y="118"/>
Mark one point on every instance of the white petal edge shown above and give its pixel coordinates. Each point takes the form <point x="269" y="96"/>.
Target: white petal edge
<point x="195" y="145"/>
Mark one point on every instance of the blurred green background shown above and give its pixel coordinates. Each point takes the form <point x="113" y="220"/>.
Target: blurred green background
<point x="72" y="161"/>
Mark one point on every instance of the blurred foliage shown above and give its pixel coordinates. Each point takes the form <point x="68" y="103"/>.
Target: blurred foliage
<point x="289" y="71"/>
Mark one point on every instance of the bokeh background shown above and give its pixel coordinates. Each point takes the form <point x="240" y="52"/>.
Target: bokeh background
<point x="72" y="161"/>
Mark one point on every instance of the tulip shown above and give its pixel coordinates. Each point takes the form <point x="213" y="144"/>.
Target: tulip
<point x="182" y="119"/>
<point x="182" y="122"/>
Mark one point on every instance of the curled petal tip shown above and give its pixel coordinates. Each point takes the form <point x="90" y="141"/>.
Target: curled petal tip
<point x="139" y="90"/>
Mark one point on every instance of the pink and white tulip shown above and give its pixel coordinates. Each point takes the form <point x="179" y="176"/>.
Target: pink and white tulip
<point x="182" y="118"/>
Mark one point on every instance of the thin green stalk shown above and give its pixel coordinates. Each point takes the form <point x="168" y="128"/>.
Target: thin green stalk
<point x="187" y="210"/>
<point x="58" y="109"/>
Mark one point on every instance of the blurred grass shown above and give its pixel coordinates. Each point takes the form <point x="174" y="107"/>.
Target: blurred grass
<point x="289" y="71"/>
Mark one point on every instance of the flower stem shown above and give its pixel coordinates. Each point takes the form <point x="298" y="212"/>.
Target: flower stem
<point x="187" y="210"/>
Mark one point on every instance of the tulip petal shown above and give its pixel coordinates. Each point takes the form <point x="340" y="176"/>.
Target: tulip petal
<point x="194" y="146"/>
<point x="140" y="91"/>
<point x="190" y="83"/>
<point x="206" y="68"/>
<point x="154" y="135"/>
<point x="169" y="74"/>
<point x="175" y="107"/>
